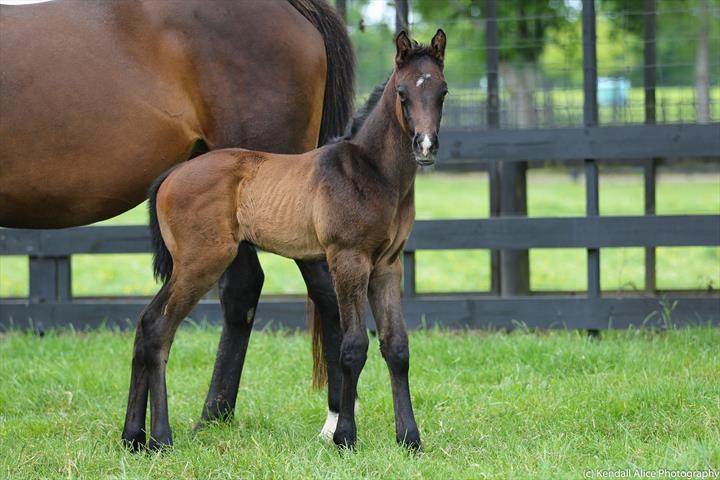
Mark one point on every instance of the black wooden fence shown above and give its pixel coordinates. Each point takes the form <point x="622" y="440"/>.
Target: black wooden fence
<point x="503" y="153"/>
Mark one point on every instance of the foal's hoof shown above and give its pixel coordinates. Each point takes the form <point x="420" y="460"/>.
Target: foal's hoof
<point x="134" y="441"/>
<point x="160" y="442"/>
<point x="345" y="439"/>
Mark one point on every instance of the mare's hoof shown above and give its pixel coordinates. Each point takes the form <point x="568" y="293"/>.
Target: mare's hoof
<point x="160" y="442"/>
<point x="220" y="417"/>
<point x="411" y="441"/>
<point x="134" y="441"/>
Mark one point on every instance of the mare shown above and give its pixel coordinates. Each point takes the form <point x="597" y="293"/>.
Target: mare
<point x="350" y="202"/>
<point x="112" y="94"/>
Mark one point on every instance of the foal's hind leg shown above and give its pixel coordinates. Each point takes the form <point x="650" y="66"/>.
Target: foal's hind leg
<point x="320" y="289"/>
<point x="240" y="288"/>
<point x="190" y="280"/>
<point x="134" y="430"/>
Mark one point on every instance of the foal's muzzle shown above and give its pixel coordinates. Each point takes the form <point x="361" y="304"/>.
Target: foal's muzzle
<point x="425" y="148"/>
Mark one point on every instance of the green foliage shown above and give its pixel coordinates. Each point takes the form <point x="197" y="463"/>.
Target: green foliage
<point x="676" y="32"/>
<point x="544" y="32"/>
<point x="521" y="30"/>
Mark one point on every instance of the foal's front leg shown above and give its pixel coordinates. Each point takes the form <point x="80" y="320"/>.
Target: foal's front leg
<point x="350" y="271"/>
<point x="384" y="296"/>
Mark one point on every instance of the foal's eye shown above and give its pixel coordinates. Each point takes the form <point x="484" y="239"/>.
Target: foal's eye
<point x="402" y="94"/>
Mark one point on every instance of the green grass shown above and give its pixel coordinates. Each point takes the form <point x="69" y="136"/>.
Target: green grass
<point x="463" y="196"/>
<point x="518" y="405"/>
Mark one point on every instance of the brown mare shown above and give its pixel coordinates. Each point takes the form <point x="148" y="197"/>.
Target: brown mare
<point x="350" y="202"/>
<point x="98" y="98"/>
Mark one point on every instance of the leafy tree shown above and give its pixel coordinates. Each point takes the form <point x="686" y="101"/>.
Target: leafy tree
<point x="684" y="39"/>
<point x="523" y="27"/>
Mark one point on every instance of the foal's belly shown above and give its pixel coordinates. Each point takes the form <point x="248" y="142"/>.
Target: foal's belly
<point x="282" y="227"/>
<point x="296" y="247"/>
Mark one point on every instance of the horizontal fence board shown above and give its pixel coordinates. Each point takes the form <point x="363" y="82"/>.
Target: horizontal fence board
<point x="562" y="144"/>
<point x="65" y="241"/>
<point x="581" y="232"/>
<point x="490" y="233"/>
<point x="454" y="312"/>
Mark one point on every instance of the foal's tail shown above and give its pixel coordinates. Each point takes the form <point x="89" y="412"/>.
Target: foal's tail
<point x="162" y="260"/>
<point x="340" y="80"/>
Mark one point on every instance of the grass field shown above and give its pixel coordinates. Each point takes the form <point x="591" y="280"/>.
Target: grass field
<point x="464" y="196"/>
<point x="518" y="405"/>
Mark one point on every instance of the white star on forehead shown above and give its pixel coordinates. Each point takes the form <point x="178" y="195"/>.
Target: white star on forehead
<point x="422" y="79"/>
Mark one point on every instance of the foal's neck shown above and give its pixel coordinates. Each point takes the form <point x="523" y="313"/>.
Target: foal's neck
<point x="387" y="144"/>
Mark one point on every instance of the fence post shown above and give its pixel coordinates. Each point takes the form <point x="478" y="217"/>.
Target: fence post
<point x="401" y="16"/>
<point x="341" y="9"/>
<point x="508" y="197"/>
<point x="493" y="121"/>
<point x="49" y="282"/>
<point x="649" y="173"/>
<point x="590" y="119"/>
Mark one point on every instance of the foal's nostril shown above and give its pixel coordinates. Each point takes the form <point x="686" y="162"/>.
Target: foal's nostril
<point x="425" y="144"/>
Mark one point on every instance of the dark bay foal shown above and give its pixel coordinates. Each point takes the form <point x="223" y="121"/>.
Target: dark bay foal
<point x="351" y="202"/>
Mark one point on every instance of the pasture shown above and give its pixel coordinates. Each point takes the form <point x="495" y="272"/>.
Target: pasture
<point x="440" y="196"/>
<point x="490" y="405"/>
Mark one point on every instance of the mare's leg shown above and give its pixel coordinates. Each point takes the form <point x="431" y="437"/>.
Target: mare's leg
<point x="134" y="430"/>
<point x="240" y="288"/>
<point x="384" y="296"/>
<point x="350" y="271"/>
<point x="320" y="290"/>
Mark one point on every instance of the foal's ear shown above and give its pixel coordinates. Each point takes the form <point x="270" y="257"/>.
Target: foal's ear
<point x="404" y="45"/>
<point x="438" y="44"/>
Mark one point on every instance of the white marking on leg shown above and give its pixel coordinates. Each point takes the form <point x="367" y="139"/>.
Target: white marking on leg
<point x="328" y="430"/>
<point x="422" y="79"/>
<point x="426" y="144"/>
<point x="250" y="315"/>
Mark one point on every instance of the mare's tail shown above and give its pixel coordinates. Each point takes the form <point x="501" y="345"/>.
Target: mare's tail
<point x="337" y="110"/>
<point x="340" y="81"/>
<point x="162" y="260"/>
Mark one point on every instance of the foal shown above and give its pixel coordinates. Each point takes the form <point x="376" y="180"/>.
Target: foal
<point x="351" y="202"/>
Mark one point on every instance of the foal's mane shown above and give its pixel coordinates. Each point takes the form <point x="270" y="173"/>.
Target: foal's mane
<point x="359" y="117"/>
<point x="363" y="112"/>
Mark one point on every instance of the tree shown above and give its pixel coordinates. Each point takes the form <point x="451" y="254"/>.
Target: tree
<point x="522" y="29"/>
<point x="683" y="38"/>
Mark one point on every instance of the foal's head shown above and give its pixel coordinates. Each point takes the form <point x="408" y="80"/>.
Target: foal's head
<point x="421" y="89"/>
